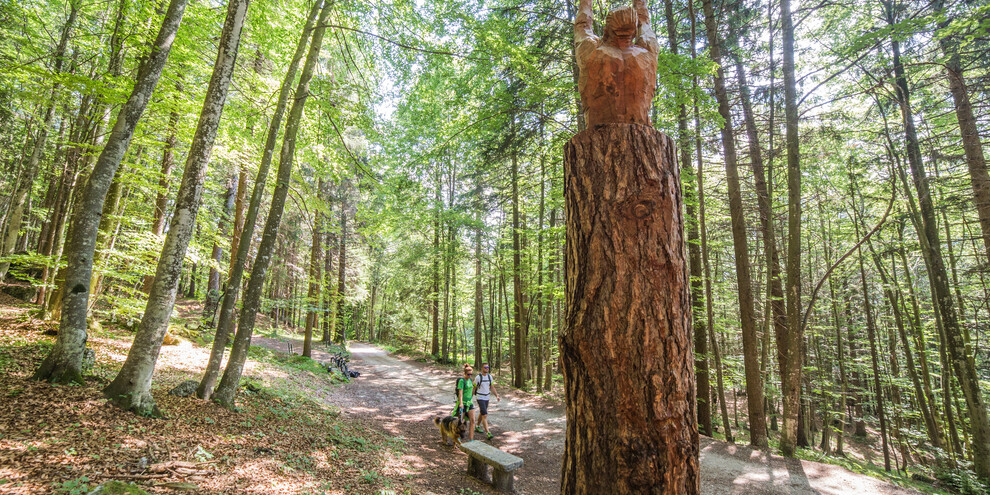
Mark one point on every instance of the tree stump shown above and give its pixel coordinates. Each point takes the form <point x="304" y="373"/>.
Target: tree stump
<point x="626" y="344"/>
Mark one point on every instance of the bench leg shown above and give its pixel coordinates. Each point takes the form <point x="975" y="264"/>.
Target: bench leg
<point x="502" y="480"/>
<point x="478" y="469"/>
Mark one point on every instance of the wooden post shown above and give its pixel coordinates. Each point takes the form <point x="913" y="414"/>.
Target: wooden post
<point x="626" y="346"/>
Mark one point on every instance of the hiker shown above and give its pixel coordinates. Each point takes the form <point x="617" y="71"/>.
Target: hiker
<point x="484" y="386"/>
<point x="465" y="391"/>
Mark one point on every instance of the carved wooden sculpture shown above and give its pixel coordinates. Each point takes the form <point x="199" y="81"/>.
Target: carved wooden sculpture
<point x="617" y="77"/>
<point x="626" y="345"/>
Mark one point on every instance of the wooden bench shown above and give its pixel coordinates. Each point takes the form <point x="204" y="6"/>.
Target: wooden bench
<point x="481" y="455"/>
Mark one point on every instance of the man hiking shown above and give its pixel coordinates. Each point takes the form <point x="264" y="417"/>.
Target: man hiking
<point x="484" y="386"/>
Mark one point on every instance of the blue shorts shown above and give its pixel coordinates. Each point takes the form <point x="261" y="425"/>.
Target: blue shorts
<point x="483" y="407"/>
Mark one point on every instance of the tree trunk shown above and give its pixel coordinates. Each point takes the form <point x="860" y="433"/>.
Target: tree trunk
<point x="130" y="390"/>
<point x="747" y="314"/>
<point x="337" y="330"/>
<point x="25" y="182"/>
<point x="313" y="296"/>
<point x="520" y="356"/>
<point x="213" y="281"/>
<point x="229" y="383"/>
<point x="225" y="322"/>
<point x="626" y="347"/>
<point x="64" y="362"/>
<point x="956" y="343"/>
<point x="478" y="303"/>
<point x="791" y="376"/>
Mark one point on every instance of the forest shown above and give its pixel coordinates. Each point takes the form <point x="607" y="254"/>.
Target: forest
<point x="392" y="172"/>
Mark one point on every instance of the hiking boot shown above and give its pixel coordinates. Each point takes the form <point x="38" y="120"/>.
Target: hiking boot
<point x="477" y="429"/>
<point x="490" y="436"/>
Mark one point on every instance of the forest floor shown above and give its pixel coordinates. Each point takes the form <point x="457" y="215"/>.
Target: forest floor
<point x="300" y="432"/>
<point x="67" y="439"/>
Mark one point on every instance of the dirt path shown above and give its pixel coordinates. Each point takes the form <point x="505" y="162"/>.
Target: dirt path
<point x="401" y="396"/>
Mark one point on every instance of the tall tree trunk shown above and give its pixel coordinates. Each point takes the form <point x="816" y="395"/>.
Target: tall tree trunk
<point x="26" y="179"/>
<point x="225" y="322"/>
<point x="213" y="281"/>
<point x="313" y="296"/>
<point x="478" y="303"/>
<point x="227" y="389"/>
<point x="791" y="375"/>
<point x="958" y="347"/>
<point x="520" y="356"/>
<point x="64" y="363"/>
<point x="337" y="327"/>
<point x="435" y="299"/>
<point x="626" y="348"/>
<point x="747" y="314"/>
<point x="130" y="390"/>
<point x="694" y="249"/>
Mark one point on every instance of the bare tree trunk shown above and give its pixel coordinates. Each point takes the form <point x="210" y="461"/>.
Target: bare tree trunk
<point x="225" y="322"/>
<point x="130" y="390"/>
<point x="313" y="297"/>
<point x="747" y="314"/>
<point x="521" y="354"/>
<point x="213" y="281"/>
<point x="791" y="376"/>
<point x="626" y="349"/>
<point x="337" y="327"/>
<point x="227" y="389"/>
<point x="64" y="363"/>
<point x="478" y="303"/>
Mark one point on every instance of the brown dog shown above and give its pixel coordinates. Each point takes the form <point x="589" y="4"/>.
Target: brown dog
<point x="450" y="427"/>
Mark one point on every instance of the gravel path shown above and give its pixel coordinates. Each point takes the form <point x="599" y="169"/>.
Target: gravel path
<point x="401" y="396"/>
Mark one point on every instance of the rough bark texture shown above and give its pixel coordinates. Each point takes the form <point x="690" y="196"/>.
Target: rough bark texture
<point x="791" y="374"/>
<point x="225" y="321"/>
<point x="313" y="296"/>
<point x="626" y="344"/>
<point x="131" y="388"/>
<point x="64" y="363"/>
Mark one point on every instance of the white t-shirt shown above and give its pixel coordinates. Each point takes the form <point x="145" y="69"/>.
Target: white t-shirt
<point x="484" y="383"/>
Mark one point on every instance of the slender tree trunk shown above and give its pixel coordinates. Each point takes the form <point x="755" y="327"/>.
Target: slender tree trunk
<point x="478" y="303"/>
<point x="629" y="375"/>
<point x="25" y="182"/>
<point x="520" y="361"/>
<point x="227" y="389"/>
<point x="337" y="326"/>
<point x="747" y="314"/>
<point x="130" y="390"/>
<point x="313" y="296"/>
<point x="791" y="376"/>
<point x="213" y="281"/>
<point x="64" y="362"/>
<point x="225" y="322"/>
<point x="956" y="343"/>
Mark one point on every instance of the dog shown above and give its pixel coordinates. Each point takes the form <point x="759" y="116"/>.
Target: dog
<point x="451" y="427"/>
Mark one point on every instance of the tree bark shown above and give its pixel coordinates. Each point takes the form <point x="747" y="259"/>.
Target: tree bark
<point x="64" y="363"/>
<point x="626" y="347"/>
<point x="229" y="383"/>
<point x="337" y="330"/>
<point x="958" y="347"/>
<point x="213" y="281"/>
<point x="130" y="390"/>
<point x="791" y="375"/>
<point x="747" y="314"/>
<point x="225" y="322"/>
<point x="313" y="296"/>
<point x="520" y="356"/>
